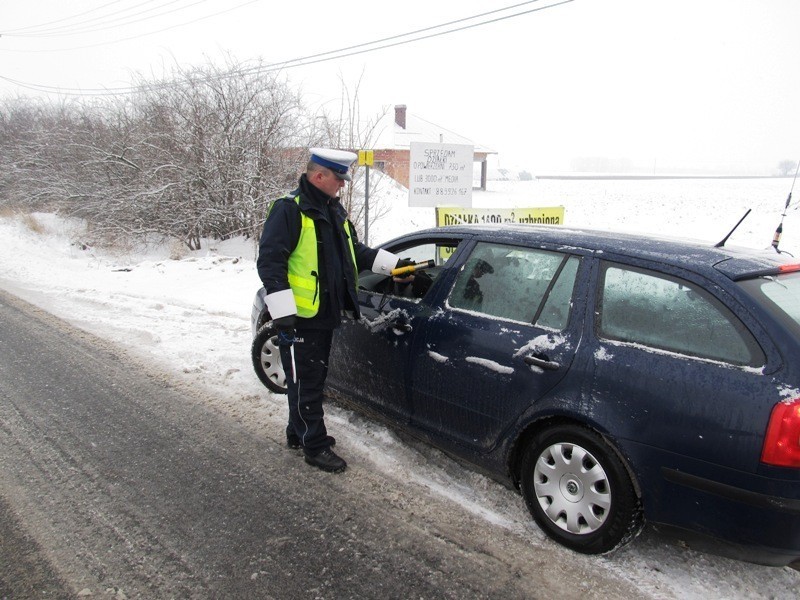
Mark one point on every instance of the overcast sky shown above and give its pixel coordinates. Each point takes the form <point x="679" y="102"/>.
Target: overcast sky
<point x="688" y="83"/>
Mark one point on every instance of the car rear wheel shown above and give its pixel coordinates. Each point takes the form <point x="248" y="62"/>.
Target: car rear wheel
<point x="267" y="359"/>
<point x="578" y="490"/>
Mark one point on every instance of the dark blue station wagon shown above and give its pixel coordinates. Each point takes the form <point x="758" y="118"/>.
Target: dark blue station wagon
<point x="613" y="379"/>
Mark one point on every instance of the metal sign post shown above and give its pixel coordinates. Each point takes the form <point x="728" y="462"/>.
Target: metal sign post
<point x="366" y="158"/>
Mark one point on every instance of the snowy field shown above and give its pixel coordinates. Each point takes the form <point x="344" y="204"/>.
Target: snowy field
<point x="700" y="209"/>
<point x="189" y="314"/>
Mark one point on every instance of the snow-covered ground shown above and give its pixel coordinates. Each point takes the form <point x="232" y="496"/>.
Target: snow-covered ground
<point x="189" y="312"/>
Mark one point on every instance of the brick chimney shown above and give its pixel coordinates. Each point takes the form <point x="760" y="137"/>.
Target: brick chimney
<point x="400" y="115"/>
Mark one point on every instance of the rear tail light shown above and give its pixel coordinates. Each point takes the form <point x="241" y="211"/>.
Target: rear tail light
<point x="782" y="443"/>
<point x="789" y="268"/>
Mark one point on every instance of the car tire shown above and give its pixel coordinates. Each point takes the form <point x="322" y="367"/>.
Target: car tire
<point x="267" y="359"/>
<point x="579" y="491"/>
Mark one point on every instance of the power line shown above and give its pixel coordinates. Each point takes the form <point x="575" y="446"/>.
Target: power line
<point x="345" y="52"/>
<point x="69" y="28"/>
<point x="85" y="27"/>
<point x="91" y="10"/>
<point x="134" y="37"/>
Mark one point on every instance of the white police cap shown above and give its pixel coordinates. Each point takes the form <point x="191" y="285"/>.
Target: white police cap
<point x="338" y="161"/>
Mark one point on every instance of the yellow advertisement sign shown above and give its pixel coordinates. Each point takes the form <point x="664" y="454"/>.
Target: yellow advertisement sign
<point x="549" y="215"/>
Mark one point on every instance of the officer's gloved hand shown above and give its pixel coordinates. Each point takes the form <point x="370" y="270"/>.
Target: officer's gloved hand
<point x="285" y="328"/>
<point x="404" y="262"/>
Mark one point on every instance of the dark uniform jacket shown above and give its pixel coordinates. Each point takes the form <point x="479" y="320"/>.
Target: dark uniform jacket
<point x="337" y="276"/>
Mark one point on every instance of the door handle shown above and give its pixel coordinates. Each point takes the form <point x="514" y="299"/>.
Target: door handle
<point x="542" y="363"/>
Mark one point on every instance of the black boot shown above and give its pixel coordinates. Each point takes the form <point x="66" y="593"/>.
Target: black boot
<point x="327" y="460"/>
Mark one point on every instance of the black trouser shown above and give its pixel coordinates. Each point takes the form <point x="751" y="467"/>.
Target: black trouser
<point x="311" y="350"/>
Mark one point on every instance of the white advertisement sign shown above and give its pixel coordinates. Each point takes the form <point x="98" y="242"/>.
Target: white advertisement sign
<point x="440" y="174"/>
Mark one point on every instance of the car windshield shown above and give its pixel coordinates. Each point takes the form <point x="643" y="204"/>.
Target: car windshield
<point x="781" y="296"/>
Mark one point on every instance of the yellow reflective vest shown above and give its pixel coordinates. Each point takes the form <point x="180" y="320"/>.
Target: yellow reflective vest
<point x="304" y="266"/>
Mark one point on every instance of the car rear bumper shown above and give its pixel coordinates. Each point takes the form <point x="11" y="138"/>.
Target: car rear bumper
<point x="778" y="515"/>
<point x="748" y="516"/>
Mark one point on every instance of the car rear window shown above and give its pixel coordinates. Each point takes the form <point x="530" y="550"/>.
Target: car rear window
<point x="780" y="295"/>
<point x="653" y="309"/>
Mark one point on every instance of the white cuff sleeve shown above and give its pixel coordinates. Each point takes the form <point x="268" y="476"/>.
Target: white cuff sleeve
<point x="384" y="262"/>
<point x="281" y="304"/>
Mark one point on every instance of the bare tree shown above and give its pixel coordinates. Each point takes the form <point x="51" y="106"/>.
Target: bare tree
<point x="199" y="154"/>
<point x="348" y="129"/>
<point x="196" y="156"/>
<point x="787" y="167"/>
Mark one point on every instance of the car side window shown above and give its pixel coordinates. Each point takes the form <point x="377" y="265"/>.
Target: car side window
<point x="657" y="310"/>
<point x="417" y="286"/>
<point x="519" y="284"/>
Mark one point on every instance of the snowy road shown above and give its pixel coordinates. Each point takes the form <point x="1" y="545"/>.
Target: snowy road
<point x="133" y="488"/>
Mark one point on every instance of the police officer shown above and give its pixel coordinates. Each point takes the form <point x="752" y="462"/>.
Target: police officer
<point x="308" y="260"/>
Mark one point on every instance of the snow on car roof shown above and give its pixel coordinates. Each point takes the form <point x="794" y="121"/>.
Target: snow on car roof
<point x="733" y="262"/>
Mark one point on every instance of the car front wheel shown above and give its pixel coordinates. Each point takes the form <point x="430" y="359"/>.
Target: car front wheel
<point x="267" y="359"/>
<point x="578" y="490"/>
